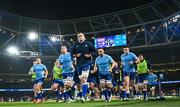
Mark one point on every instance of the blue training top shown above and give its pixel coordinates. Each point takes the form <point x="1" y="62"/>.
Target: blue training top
<point x="104" y="62"/>
<point x="67" y="63"/>
<point x="152" y="77"/>
<point x="126" y="59"/>
<point x="39" y="69"/>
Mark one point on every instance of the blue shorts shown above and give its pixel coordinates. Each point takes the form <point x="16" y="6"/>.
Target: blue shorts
<point x="59" y="81"/>
<point x="142" y="77"/>
<point x="39" y="81"/>
<point x="84" y="67"/>
<point x="105" y="76"/>
<point x="132" y="75"/>
<point x="69" y="74"/>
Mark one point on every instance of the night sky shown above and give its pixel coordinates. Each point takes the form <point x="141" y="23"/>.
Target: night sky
<point x="67" y="9"/>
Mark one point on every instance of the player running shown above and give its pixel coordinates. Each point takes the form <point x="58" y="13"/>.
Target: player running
<point x="104" y="63"/>
<point x="41" y="73"/>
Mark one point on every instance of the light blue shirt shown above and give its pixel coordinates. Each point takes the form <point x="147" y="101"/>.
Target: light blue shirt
<point x="67" y="63"/>
<point x="152" y="77"/>
<point x="126" y="59"/>
<point x="104" y="63"/>
<point x="39" y="69"/>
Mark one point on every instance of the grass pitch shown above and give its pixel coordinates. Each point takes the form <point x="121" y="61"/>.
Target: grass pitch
<point x="170" y="102"/>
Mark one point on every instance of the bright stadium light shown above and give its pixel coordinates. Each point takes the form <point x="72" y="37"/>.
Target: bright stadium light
<point x="33" y="35"/>
<point x="54" y="38"/>
<point x="13" y="50"/>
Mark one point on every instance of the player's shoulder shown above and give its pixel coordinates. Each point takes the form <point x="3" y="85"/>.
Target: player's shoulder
<point x="106" y="55"/>
<point x="122" y="55"/>
<point x="68" y="53"/>
<point x="130" y="53"/>
<point x="76" y="45"/>
<point x="41" y="64"/>
<point x="88" y="42"/>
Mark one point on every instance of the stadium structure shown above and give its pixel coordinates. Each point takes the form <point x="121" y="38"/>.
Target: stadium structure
<point x="152" y="29"/>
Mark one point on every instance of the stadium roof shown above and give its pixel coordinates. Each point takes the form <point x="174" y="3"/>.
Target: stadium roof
<point x="67" y="9"/>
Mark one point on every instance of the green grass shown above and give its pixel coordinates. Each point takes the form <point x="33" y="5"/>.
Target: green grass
<point x="173" y="102"/>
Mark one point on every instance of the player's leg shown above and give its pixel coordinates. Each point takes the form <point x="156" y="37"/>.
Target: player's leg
<point x="69" y="85"/>
<point x="139" y="86"/>
<point x="109" y="86"/>
<point x="144" y="87"/>
<point x="65" y="90"/>
<point x="126" y="79"/>
<point x="132" y="83"/>
<point x="55" y="88"/>
<point x="84" y="76"/>
<point x="39" y="90"/>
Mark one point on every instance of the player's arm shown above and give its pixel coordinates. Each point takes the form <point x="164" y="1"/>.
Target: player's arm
<point x="46" y="71"/>
<point x="31" y="71"/>
<point x="73" y="52"/>
<point x="92" y="51"/>
<point x="136" y="59"/>
<point x="112" y="64"/>
<point x="94" y="69"/>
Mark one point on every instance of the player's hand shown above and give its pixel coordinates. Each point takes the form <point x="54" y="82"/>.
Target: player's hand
<point x="87" y="55"/>
<point x="77" y="55"/>
<point x="110" y="70"/>
<point x="92" y="71"/>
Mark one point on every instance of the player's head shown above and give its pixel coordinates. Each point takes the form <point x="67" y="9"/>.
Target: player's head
<point x="57" y="62"/>
<point x="126" y="49"/>
<point x="38" y="60"/>
<point x="63" y="49"/>
<point x="141" y="57"/>
<point x="100" y="52"/>
<point x="151" y="71"/>
<point x="81" y="37"/>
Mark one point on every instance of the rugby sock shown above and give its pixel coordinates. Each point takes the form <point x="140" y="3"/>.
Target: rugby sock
<point x="128" y="95"/>
<point x="79" y="94"/>
<point x="84" y="89"/>
<point x="65" y="95"/>
<point x="70" y="94"/>
<point x="138" y="93"/>
<point x="43" y="94"/>
<point x="105" y="94"/>
<point x="123" y="93"/>
<point x="92" y="93"/>
<point x="60" y="96"/>
<point x="145" y="94"/>
<point x="109" y="92"/>
<point x="57" y="93"/>
<point x="39" y="95"/>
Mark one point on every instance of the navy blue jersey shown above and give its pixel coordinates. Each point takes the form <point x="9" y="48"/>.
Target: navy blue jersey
<point x="83" y="48"/>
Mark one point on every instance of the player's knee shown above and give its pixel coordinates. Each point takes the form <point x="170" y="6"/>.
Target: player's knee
<point x="92" y="85"/>
<point x="126" y="83"/>
<point x="102" y="85"/>
<point x="109" y="83"/>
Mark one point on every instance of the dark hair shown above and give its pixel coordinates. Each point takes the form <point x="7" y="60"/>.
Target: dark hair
<point x="125" y="46"/>
<point x="79" y="33"/>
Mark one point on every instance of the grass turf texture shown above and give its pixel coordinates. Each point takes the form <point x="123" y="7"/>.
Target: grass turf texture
<point x="170" y="102"/>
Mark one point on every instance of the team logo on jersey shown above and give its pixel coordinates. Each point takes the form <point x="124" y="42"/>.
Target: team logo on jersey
<point x="85" y="45"/>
